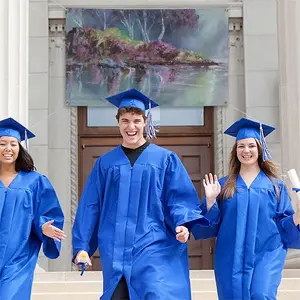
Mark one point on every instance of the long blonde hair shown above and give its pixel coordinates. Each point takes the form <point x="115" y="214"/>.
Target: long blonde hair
<point x="268" y="167"/>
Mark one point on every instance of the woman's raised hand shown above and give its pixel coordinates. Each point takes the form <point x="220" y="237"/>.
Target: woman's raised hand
<point x="212" y="189"/>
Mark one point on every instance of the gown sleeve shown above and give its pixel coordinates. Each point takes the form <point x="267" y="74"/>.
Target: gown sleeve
<point x="290" y="233"/>
<point x="48" y="208"/>
<point x="214" y="217"/>
<point x="210" y="230"/>
<point x="85" y="228"/>
<point x="180" y="196"/>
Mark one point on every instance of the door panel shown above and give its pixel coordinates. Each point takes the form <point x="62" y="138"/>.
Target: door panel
<point x="197" y="161"/>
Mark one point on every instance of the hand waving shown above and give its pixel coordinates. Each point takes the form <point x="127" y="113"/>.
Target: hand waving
<point x="53" y="232"/>
<point x="212" y="189"/>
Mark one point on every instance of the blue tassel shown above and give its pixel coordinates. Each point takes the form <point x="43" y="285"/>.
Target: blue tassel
<point x="151" y="129"/>
<point x="83" y="267"/>
<point x="265" y="152"/>
<point x="26" y="140"/>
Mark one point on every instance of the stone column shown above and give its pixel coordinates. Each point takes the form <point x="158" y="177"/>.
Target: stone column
<point x="14" y="59"/>
<point x="289" y="81"/>
<point x="289" y="90"/>
<point x="59" y="145"/>
<point x="261" y="68"/>
<point x="3" y="58"/>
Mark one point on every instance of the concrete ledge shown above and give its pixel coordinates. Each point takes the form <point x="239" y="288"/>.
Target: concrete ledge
<point x="283" y="295"/>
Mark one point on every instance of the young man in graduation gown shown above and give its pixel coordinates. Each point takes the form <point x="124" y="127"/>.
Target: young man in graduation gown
<point x="135" y="200"/>
<point x="30" y="214"/>
<point x="257" y="223"/>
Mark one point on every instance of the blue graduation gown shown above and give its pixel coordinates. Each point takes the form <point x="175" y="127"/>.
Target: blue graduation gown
<point x="253" y="234"/>
<point x="131" y="213"/>
<point x="25" y="206"/>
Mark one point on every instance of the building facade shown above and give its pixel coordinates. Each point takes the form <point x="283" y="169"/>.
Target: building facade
<point x="264" y="83"/>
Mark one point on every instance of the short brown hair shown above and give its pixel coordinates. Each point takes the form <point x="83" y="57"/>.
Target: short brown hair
<point x="133" y="110"/>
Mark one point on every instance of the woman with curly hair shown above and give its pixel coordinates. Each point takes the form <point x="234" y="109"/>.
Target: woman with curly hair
<point x="30" y="214"/>
<point x="256" y="224"/>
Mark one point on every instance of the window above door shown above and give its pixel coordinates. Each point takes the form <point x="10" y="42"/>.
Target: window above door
<point x="163" y="116"/>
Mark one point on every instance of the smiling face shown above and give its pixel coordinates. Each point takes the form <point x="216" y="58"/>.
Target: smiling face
<point x="131" y="121"/>
<point x="9" y="150"/>
<point x="132" y="128"/>
<point x="247" y="151"/>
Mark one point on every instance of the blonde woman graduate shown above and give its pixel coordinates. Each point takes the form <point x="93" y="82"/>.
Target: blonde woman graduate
<point x="256" y="221"/>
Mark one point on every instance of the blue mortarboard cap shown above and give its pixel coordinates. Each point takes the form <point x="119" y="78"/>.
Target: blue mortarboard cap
<point x="132" y="98"/>
<point x="245" y="128"/>
<point x="12" y="128"/>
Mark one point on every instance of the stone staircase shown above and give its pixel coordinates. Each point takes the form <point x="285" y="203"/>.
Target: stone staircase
<point x="71" y="286"/>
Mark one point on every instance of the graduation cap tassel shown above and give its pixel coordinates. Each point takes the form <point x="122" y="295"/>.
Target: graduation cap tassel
<point x="265" y="152"/>
<point x="150" y="127"/>
<point x="26" y="140"/>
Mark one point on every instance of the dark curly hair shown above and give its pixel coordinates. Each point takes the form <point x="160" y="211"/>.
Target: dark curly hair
<point x="24" y="161"/>
<point x="133" y="110"/>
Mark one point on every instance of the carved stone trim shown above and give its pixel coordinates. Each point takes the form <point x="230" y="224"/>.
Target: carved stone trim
<point x="73" y="166"/>
<point x="57" y="26"/>
<point x="74" y="163"/>
<point x="235" y="24"/>
<point x="219" y="153"/>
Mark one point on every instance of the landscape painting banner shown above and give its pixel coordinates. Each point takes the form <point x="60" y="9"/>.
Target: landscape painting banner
<point x="178" y="57"/>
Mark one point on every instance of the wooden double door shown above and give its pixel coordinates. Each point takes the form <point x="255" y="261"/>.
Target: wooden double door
<point x="194" y="146"/>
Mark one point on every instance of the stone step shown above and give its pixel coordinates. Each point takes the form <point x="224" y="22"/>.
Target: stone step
<point x="72" y="286"/>
<point x="200" y="295"/>
<point x="197" y="284"/>
<point x="96" y="276"/>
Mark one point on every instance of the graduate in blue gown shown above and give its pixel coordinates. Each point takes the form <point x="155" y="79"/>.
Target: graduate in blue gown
<point x="135" y="200"/>
<point x="30" y="214"/>
<point x="257" y="223"/>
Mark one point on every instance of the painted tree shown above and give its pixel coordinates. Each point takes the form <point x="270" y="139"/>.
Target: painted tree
<point x="104" y="18"/>
<point x="127" y="19"/>
<point x="155" y="23"/>
<point x="76" y="15"/>
<point x="145" y="19"/>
